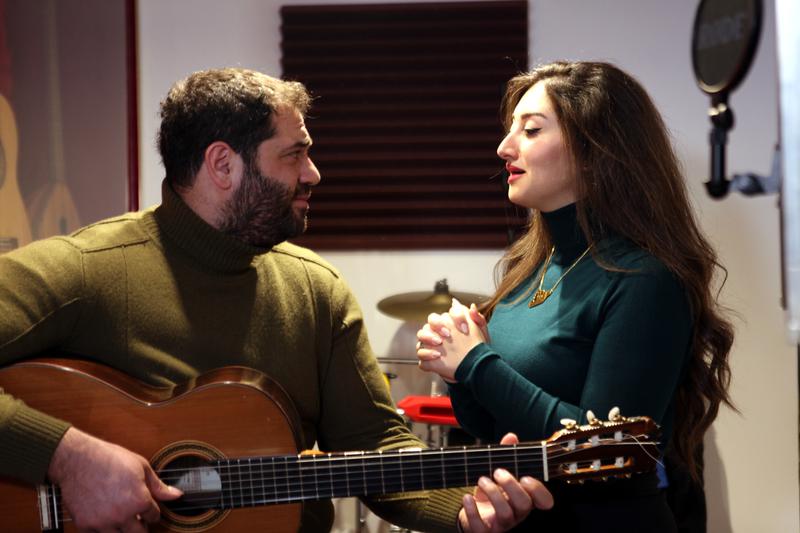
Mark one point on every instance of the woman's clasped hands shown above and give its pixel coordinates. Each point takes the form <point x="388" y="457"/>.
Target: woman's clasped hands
<point x="447" y="338"/>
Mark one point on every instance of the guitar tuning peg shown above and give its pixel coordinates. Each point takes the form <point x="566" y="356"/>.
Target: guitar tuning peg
<point x="593" y="420"/>
<point x="569" y="423"/>
<point x="614" y="415"/>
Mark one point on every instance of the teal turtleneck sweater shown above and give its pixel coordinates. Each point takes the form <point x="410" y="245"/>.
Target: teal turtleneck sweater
<point x="602" y="339"/>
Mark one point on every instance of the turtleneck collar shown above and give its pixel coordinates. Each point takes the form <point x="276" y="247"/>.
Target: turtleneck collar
<point x="565" y="233"/>
<point x="206" y="245"/>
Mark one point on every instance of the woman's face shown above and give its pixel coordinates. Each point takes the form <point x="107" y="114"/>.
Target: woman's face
<point x="535" y="155"/>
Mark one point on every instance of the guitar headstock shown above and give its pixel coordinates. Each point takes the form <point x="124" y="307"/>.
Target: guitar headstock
<point x="617" y="447"/>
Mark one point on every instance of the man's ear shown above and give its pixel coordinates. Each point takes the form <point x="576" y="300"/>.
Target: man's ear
<point x="222" y="164"/>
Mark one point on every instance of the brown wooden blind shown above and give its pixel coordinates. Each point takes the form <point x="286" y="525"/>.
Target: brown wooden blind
<point x="405" y="120"/>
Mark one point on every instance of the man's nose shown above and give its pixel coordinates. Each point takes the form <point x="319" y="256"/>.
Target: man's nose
<point x="310" y="174"/>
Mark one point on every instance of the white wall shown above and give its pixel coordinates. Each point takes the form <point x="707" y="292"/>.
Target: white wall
<point x="752" y="478"/>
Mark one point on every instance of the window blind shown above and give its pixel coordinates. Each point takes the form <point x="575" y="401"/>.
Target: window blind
<point x="405" y="120"/>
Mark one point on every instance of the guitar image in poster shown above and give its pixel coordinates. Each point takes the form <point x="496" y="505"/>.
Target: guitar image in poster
<point x="14" y="226"/>
<point x="52" y="208"/>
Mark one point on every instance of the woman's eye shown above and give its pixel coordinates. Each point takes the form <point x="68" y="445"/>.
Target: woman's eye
<point x="532" y="131"/>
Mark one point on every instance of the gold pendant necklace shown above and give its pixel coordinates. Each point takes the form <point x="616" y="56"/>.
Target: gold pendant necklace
<point x="543" y="294"/>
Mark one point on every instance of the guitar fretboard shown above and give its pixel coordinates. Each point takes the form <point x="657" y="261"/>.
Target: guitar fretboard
<point x="285" y="479"/>
<point x="313" y="477"/>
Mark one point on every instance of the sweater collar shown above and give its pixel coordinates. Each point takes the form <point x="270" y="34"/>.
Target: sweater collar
<point x="565" y="233"/>
<point x="202" y="242"/>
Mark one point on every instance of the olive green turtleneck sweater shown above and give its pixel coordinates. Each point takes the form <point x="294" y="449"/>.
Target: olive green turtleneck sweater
<point x="163" y="297"/>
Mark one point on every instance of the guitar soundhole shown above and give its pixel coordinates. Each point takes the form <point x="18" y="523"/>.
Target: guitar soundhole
<point x="199" y="481"/>
<point x="188" y="465"/>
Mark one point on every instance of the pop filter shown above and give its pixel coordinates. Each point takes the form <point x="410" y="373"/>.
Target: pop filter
<point x="724" y="41"/>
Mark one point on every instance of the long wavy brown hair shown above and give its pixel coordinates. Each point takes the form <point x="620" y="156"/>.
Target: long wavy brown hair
<point x="629" y="183"/>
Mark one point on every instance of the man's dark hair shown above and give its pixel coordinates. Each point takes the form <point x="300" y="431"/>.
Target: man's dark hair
<point x="233" y="105"/>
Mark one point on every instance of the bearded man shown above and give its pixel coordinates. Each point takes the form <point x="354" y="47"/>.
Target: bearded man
<point x="205" y="280"/>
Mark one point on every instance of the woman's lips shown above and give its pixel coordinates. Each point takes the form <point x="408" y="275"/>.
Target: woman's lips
<point x="513" y="172"/>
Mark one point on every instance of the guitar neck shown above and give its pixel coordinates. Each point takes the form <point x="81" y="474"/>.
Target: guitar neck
<point x="234" y="483"/>
<point x="258" y="481"/>
<point x="247" y="482"/>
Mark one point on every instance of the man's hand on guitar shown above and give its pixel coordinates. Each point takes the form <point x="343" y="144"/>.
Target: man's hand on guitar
<point x="106" y="487"/>
<point x="502" y="503"/>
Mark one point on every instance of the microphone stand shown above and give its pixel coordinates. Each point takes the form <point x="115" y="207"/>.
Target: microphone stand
<point x="749" y="184"/>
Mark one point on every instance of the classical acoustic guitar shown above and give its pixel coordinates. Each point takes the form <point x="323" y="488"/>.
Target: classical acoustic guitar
<point x="52" y="208"/>
<point x="229" y="438"/>
<point x="14" y="226"/>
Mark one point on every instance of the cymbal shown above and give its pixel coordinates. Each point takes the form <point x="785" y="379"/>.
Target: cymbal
<point x="416" y="306"/>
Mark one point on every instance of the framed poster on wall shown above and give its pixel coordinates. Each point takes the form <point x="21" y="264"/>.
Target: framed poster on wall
<point x="68" y="129"/>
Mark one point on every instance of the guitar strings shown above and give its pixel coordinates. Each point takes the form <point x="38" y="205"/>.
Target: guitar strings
<point x="644" y="449"/>
<point x="427" y="454"/>
<point x="296" y="487"/>
<point x="308" y="466"/>
<point x="230" y="500"/>
<point x="301" y="472"/>
<point x="385" y="463"/>
<point x="293" y="494"/>
<point x="427" y="458"/>
<point x="391" y="455"/>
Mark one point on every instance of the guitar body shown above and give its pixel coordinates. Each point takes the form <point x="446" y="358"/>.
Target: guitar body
<point x="231" y="412"/>
<point x="14" y="225"/>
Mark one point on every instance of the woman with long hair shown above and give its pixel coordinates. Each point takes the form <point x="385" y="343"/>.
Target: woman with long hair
<point x="607" y="300"/>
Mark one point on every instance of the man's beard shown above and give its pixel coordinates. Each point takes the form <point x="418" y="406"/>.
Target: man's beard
<point x="260" y="212"/>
